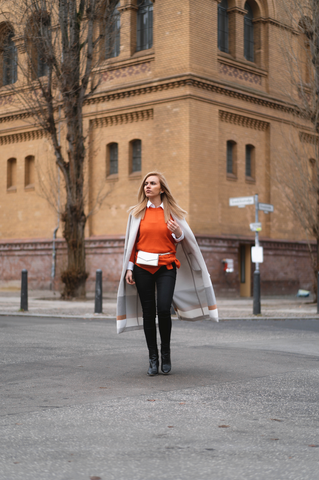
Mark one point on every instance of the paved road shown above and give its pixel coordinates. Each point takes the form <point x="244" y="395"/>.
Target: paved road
<point x="241" y="402"/>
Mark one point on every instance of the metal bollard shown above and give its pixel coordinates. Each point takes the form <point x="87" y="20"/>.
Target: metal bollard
<point x="256" y="305"/>
<point x="98" y="292"/>
<point x="24" y="290"/>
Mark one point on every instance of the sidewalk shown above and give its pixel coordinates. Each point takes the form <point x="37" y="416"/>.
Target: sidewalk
<point x="47" y="303"/>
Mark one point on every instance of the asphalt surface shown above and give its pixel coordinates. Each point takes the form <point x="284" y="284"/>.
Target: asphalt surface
<point x="241" y="401"/>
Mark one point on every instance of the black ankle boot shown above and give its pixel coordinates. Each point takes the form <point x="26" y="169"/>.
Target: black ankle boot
<point x="153" y="368"/>
<point x="166" y="359"/>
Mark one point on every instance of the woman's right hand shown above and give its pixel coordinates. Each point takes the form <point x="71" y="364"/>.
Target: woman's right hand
<point x="129" y="277"/>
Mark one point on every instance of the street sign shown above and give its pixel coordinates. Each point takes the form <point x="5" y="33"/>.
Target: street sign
<point x="266" y="207"/>
<point x="257" y="254"/>
<point x="241" y="201"/>
<point x="255" y="227"/>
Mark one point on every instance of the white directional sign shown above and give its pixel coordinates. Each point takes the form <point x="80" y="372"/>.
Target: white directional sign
<point x="266" y="207"/>
<point x="257" y="254"/>
<point x="241" y="201"/>
<point x="255" y="227"/>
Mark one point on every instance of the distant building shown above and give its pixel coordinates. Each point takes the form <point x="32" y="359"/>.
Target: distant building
<point x="190" y="89"/>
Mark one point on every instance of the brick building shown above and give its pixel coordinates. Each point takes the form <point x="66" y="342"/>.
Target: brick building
<point x="193" y="89"/>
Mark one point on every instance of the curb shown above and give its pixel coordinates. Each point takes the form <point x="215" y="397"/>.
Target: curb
<point x="101" y="316"/>
<point x="87" y="316"/>
<point x="258" y="317"/>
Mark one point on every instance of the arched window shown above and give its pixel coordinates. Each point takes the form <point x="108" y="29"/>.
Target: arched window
<point x="12" y="174"/>
<point x="248" y="33"/>
<point x="223" y="26"/>
<point x="250" y="161"/>
<point x="144" y="38"/>
<point x="231" y="160"/>
<point x="112" y="159"/>
<point x="29" y="171"/>
<point x="112" y="33"/>
<point x="136" y="156"/>
<point x="39" y="44"/>
<point x="9" y="60"/>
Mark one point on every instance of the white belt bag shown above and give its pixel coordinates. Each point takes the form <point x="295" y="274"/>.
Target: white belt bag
<point x="151" y="259"/>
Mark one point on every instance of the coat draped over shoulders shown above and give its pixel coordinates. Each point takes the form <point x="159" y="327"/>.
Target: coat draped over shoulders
<point x="194" y="296"/>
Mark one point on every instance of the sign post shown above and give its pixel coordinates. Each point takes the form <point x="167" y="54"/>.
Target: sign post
<point x="256" y="288"/>
<point x="256" y="251"/>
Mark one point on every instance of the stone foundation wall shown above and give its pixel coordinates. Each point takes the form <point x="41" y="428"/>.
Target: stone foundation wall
<point x="286" y="266"/>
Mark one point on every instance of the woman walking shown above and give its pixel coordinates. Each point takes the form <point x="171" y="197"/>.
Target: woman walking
<point x="156" y="226"/>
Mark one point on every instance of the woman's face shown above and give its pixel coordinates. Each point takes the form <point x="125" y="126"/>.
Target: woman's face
<point x="152" y="187"/>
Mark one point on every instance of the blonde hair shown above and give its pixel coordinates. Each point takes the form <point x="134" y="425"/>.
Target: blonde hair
<point x="169" y="202"/>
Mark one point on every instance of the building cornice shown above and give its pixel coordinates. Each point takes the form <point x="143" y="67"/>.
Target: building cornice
<point x="122" y="118"/>
<point x="247" y="122"/>
<point x="175" y="82"/>
<point x="196" y="82"/>
<point x="309" y="138"/>
<point x="22" y="137"/>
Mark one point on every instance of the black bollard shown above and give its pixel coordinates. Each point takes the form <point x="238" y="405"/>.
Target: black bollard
<point x="256" y="307"/>
<point x="24" y="290"/>
<point x="318" y="293"/>
<point x="98" y="292"/>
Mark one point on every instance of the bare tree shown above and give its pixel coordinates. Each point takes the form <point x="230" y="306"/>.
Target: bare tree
<point x="63" y="41"/>
<point x="298" y="170"/>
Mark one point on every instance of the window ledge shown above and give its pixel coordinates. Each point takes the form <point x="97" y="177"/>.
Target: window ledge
<point x="112" y="178"/>
<point x="11" y="189"/>
<point x="143" y="53"/>
<point x="135" y="175"/>
<point x="228" y="59"/>
<point x="7" y="87"/>
<point x="118" y="62"/>
<point x="231" y="176"/>
<point x="29" y="188"/>
<point x="250" y="180"/>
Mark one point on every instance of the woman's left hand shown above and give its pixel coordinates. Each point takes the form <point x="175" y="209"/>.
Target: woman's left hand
<point x="173" y="226"/>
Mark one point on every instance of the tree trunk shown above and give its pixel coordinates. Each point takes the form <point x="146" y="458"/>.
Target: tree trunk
<point x="74" y="277"/>
<point x="74" y="218"/>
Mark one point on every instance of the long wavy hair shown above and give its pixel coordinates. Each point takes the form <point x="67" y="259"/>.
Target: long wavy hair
<point x="169" y="202"/>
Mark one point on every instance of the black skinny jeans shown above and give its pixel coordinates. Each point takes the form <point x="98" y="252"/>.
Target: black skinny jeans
<point x="164" y="280"/>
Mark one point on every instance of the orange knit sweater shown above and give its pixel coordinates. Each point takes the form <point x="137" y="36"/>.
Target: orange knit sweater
<point x="154" y="237"/>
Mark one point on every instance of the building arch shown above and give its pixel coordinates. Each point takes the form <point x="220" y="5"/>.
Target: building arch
<point x="260" y="8"/>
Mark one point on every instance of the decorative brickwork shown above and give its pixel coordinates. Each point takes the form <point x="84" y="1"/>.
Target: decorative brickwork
<point x="123" y="118"/>
<point x="239" y="74"/>
<point x="22" y="137"/>
<point x="12" y="118"/>
<point x="188" y="81"/>
<point x="308" y="138"/>
<point x="246" y="122"/>
<point x="192" y="82"/>
<point x="7" y="100"/>
<point x="124" y="72"/>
